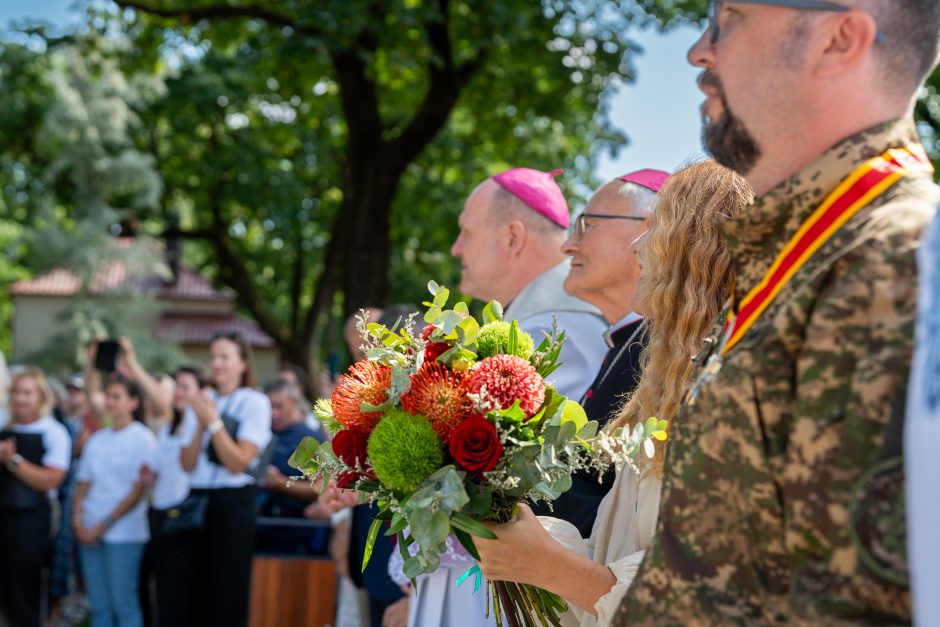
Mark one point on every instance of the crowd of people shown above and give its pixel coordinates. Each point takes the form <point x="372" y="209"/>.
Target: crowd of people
<point x="145" y="491"/>
<point x="762" y="302"/>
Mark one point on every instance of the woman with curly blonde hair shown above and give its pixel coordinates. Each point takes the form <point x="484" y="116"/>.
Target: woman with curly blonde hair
<point x="685" y="278"/>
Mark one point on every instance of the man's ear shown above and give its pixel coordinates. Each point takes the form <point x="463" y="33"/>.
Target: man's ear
<point x="517" y="237"/>
<point x="850" y="38"/>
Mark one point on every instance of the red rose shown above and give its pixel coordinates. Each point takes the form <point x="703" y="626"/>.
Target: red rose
<point x="347" y="479"/>
<point x="350" y="446"/>
<point x="432" y="350"/>
<point x="475" y="446"/>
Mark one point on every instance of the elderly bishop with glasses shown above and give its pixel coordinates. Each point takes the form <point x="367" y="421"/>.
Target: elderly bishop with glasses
<point x="782" y="496"/>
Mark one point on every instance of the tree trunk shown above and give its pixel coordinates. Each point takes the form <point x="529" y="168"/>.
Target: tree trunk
<point x="365" y="258"/>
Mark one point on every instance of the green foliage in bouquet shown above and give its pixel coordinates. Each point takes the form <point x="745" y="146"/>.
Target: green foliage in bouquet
<point x="404" y="450"/>
<point x="493" y="339"/>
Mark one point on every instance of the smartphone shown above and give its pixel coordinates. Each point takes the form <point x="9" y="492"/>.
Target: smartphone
<point x="106" y="356"/>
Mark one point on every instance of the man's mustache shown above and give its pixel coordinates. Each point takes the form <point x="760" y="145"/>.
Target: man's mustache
<point x="709" y="79"/>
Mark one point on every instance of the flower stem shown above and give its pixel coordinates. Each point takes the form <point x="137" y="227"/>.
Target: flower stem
<point x="508" y="606"/>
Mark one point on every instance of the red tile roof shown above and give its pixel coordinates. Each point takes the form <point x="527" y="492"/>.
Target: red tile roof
<point x="198" y="329"/>
<point x="189" y="285"/>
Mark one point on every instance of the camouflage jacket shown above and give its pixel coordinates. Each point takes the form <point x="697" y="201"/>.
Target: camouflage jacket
<point x="782" y="494"/>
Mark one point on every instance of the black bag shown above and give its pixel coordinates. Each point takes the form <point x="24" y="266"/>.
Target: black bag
<point x="230" y="425"/>
<point x="190" y="515"/>
<point x="14" y="493"/>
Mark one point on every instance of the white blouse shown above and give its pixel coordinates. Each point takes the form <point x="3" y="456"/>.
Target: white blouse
<point x="624" y="528"/>
<point x="172" y="485"/>
<point x="252" y="411"/>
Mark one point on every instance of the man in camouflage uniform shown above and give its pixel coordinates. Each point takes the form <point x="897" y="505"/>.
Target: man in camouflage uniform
<point x="782" y="496"/>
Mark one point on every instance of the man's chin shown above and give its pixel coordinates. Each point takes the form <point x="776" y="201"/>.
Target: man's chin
<point x="572" y="286"/>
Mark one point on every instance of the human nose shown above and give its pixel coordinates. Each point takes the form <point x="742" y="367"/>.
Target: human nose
<point x="457" y="247"/>
<point x="701" y="54"/>
<point x="570" y="246"/>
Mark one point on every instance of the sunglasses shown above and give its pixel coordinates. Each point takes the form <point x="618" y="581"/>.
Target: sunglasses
<point x="580" y="223"/>
<point x="714" y="6"/>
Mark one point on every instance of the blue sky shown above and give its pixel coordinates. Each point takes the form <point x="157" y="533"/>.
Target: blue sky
<point x="658" y="111"/>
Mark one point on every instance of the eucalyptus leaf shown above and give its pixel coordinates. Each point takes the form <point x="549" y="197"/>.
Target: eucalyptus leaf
<point x="492" y="312"/>
<point x="414" y="568"/>
<point x="649" y="448"/>
<point x="589" y="430"/>
<point x="562" y="484"/>
<point x="441" y="297"/>
<point x="574" y="413"/>
<point x="304" y="458"/>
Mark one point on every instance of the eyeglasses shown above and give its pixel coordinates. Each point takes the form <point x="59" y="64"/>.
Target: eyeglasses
<point x="580" y="223"/>
<point x="714" y="6"/>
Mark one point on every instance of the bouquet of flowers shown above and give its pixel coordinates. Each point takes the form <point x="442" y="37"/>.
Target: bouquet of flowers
<point x="456" y="425"/>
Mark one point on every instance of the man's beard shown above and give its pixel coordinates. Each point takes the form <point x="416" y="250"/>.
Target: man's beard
<point x="727" y="139"/>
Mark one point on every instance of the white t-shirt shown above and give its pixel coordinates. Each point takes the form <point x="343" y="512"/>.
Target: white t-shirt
<point x="111" y="463"/>
<point x="55" y="441"/>
<point x="172" y="484"/>
<point x="252" y="411"/>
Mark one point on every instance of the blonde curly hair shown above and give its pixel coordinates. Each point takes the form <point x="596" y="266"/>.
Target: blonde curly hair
<point x="686" y="278"/>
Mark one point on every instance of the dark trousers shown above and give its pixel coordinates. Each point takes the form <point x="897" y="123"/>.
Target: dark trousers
<point x="24" y="547"/>
<point x="213" y="565"/>
<point x="176" y="586"/>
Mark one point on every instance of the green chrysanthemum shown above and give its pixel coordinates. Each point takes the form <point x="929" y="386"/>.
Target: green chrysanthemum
<point x="404" y="450"/>
<point x="494" y="340"/>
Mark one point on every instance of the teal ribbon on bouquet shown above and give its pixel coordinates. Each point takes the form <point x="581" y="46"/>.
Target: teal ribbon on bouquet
<point x="477" y="582"/>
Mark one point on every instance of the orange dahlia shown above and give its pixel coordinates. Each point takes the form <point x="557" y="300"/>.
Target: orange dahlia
<point x="507" y="379"/>
<point x="365" y="382"/>
<point x="438" y="394"/>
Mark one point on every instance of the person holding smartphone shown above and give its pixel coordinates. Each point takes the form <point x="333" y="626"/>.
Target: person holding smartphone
<point x="35" y="451"/>
<point x="232" y="425"/>
<point x="110" y="509"/>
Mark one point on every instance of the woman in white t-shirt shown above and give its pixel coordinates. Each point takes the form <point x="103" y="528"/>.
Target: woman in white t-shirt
<point x="232" y="425"/>
<point x="171" y="550"/>
<point x="35" y="451"/>
<point x="110" y="511"/>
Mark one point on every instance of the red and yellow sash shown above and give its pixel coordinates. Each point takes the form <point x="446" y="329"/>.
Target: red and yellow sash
<point x="861" y="186"/>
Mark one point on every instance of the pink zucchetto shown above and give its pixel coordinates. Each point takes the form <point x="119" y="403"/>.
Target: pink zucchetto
<point x="650" y="179"/>
<point x="538" y="190"/>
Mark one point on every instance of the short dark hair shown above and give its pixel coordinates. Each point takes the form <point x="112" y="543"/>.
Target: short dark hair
<point x="912" y="29"/>
<point x="283" y="386"/>
<point x="301" y="373"/>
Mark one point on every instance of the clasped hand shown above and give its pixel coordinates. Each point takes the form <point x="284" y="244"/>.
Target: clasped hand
<point x="204" y="407"/>
<point x="7" y="450"/>
<point x="90" y="536"/>
<point x="521" y="553"/>
<point x="336" y="499"/>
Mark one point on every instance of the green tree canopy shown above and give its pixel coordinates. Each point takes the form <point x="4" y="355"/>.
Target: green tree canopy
<point x="313" y="155"/>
